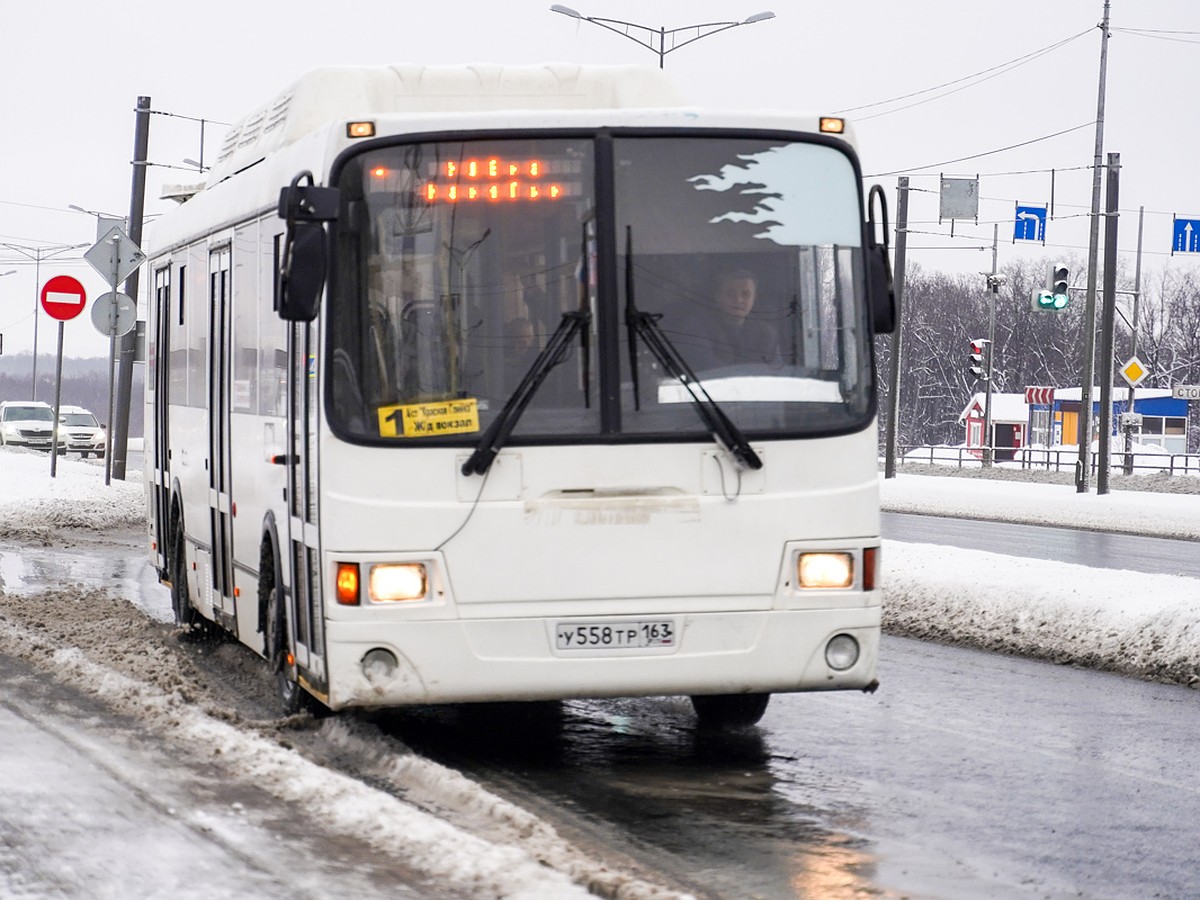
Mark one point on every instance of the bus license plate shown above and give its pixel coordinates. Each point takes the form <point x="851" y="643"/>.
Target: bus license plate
<point x="625" y="635"/>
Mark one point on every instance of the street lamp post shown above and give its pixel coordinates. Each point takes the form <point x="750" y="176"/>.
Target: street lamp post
<point x="37" y="254"/>
<point x="646" y="35"/>
<point x="2" y="274"/>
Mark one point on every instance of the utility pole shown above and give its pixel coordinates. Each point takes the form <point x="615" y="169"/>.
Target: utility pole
<point x="1111" y="220"/>
<point x="1133" y="336"/>
<point x="128" y="343"/>
<point x="993" y="282"/>
<point x="889" y="462"/>
<point x="1083" y="465"/>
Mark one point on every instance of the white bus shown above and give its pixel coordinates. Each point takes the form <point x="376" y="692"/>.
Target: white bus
<point x="522" y="383"/>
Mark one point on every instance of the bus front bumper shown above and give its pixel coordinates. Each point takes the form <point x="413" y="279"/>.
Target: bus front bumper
<point x="464" y="661"/>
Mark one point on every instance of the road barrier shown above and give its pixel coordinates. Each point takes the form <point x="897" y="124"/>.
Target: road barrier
<point x="1050" y="459"/>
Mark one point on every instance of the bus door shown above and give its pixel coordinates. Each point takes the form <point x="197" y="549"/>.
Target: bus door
<point x="219" y="453"/>
<point x="304" y="607"/>
<point x="158" y="386"/>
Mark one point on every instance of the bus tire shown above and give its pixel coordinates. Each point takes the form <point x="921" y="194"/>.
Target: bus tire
<point x="186" y="616"/>
<point x="729" y="710"/>
<point x="275" y="638"/>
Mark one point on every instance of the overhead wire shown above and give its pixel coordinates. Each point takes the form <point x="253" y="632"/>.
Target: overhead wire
<point x="950" y="162"/>
<point x="1161" y="35"/>
<point x="973" y="79"/>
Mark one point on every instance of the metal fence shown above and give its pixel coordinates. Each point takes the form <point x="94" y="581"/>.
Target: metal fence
<point x="1051" y="460"/>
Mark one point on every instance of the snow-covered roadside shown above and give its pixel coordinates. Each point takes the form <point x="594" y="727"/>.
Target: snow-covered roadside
<point x="1121" y="621"/>
<point x="1128" y="622"/>
<point x="1033" y="503"/>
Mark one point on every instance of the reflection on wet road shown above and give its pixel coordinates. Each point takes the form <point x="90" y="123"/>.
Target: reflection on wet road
<point x="967" y="775"/>
<point x="702" y="810"/>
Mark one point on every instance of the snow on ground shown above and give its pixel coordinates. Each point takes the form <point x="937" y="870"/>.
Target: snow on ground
<point x="34" y="506"/>
<point x="1113" y="619"/>
<point x="1125" y="621"/>
<point x="1036" y="503"/>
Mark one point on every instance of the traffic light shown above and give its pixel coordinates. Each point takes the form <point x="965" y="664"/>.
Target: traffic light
<point x="977" y="359"/>
<point x="1056" y="294"/>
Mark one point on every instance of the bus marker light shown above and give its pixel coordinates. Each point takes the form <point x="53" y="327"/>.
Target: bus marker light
<point x="832" y="125"/>
<point x="360" y="129"/>
<point x="825" y="570"/>
<point x="347" y="584"/>
<point x="841" y="653"/>
<point x="398" y="581"/>
<point x="870" y="567"/>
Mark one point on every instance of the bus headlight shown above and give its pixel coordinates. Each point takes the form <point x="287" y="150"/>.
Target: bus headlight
<point x="841" y="653"/>
<point x="398" y="581"/>
<point x="825" y="570"/>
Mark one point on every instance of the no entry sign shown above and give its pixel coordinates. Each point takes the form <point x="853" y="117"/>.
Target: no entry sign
<point x="63" y="297"/>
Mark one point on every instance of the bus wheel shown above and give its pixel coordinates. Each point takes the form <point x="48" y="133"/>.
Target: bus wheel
<point x="186" y="616"/>
<point x="270" y="593"/>
<point x="730" y="710"/>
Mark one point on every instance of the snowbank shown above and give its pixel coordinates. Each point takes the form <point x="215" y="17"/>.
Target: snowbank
<point x="1128" y="622"/>
<point x="33" y="506"/>
<point x="1035" y="503"/>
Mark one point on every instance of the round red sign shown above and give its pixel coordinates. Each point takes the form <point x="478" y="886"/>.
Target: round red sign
<point x="63" y="297"/>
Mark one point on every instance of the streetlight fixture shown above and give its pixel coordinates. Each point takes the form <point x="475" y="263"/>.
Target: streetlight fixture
<point x="104" y="221"/>
<point x="37" y="254"/>
<point x="623" y="28"/>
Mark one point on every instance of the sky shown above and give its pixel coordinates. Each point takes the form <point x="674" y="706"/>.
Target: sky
<point x="934" y="87"/>
<point x="1127" y="621"/>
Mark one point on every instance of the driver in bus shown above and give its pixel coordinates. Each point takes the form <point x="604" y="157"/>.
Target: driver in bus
<point x="725" y="334"/>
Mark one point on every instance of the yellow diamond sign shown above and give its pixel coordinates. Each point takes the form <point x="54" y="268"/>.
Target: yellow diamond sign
<point x="1134" y="372"/>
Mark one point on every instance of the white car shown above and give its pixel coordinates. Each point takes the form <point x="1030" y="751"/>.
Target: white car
<point x="26" y="423"/>
<point x="79" y="432"/>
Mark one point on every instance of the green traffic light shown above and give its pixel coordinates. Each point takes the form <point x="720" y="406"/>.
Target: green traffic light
<point x="1045" y="299"/>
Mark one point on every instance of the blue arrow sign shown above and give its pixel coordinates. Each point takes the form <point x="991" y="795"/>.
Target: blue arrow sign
<point x="1030" y="224"/>
<point x="1187" y="236"/>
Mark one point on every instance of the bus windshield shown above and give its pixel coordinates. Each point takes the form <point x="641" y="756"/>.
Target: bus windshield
<point x="458" y="260"/>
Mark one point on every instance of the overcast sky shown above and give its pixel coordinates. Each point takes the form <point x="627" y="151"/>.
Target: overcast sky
<point x="72" y="72"/>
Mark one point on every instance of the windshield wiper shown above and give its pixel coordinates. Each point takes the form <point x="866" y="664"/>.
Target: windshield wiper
<point x="645" y="325"/>
<point x="552" y="354"/>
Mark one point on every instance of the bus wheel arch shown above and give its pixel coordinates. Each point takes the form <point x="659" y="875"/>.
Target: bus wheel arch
<point x="273" y="623"/>
<point x="187" y="617"/>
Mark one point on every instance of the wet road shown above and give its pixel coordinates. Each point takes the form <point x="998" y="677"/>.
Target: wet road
<point x="967" y="775"/>
<point x="1101" y="550"/>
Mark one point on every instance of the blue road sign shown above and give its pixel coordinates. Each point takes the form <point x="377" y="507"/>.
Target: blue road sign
<point x="1030" y="224"/>
<point x="1187" y="236"/>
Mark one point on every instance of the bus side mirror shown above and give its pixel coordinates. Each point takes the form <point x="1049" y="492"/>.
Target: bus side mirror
<point x="880" y="292"/>
<point x="302" y="269"/>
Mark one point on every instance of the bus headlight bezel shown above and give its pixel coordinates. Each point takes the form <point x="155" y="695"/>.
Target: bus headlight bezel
<point x="825" y="570"/>
<point x="401" y="582"/>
